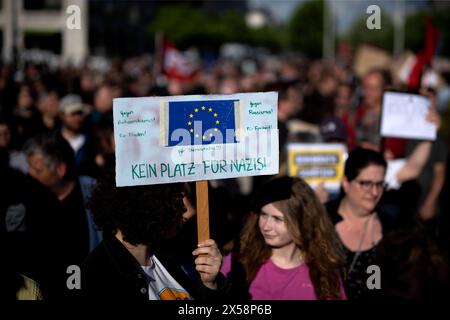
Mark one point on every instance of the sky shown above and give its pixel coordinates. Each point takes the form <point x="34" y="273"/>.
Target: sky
<point x="346" y="11"/>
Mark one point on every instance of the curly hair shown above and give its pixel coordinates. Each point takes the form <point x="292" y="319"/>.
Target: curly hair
<point x="143" y="214"/>
<point x="312" y="232"/>
<point x="414" y="265"/>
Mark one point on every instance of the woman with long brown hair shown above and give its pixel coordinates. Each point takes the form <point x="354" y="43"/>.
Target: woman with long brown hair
<point x="288" y="248"/>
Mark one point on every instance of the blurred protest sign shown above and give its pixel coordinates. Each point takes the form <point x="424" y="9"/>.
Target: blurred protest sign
<point x="191" y="138"/>
<point x="368" y="58"/>
<point x="404" y="116"/>
<point x="317" y="163"/>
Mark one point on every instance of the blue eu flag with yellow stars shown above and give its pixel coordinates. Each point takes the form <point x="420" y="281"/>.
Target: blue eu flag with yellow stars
<point x="205" y="122"/>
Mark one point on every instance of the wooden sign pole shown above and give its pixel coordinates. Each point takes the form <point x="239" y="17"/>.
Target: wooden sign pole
<point x="202" y="210"/>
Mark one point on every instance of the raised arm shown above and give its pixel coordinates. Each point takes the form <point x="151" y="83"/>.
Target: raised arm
<point x="415" y="162"/>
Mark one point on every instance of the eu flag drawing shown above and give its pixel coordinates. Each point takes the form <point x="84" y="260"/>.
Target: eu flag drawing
<point x="202" y="122"/>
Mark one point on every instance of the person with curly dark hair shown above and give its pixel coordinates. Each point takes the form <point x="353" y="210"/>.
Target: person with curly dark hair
<point x="288" y="250"/>
<point x="414" y="266"/>
<point x="138" y="259"/>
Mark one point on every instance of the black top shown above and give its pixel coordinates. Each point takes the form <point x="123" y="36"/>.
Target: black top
<point x="112" y="273"/>
<point x="56" y="237"/>
<point x="355" y="279"/>
<point x="387" y="221"/>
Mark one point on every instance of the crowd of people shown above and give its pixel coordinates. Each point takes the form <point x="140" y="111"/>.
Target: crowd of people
<point x="274" y="237"/>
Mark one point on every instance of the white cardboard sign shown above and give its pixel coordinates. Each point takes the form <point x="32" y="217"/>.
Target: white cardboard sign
<point x="197" y="137"/>
<point x="404" y="116"/>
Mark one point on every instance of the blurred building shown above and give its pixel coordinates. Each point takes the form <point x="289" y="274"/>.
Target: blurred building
<point x="49" y="25"/>
<point x="108" y="27"/>
<point x="223" y="5"/>
<point x="120" y="28"/>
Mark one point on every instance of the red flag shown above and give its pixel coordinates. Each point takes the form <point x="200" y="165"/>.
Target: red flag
<point x="424" y="57"/>
<point x="176" y="65"/>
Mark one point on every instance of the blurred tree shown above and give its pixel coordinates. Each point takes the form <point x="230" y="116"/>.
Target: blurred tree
<point x="358" y="33"/>
<point x="269" y="37"/>
<point x="442" y="22"/>
<point x="192" y="26"/>
<point x="306" y="28"/>
<point x="415" y="31"/>
<point x="183" y="24"/>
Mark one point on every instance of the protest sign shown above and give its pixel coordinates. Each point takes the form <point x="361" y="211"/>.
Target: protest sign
<point x="404" y="116"/>
<point x="195" y="138"/>
<point x="191" y="138"/>
<point x="317" y="163"/>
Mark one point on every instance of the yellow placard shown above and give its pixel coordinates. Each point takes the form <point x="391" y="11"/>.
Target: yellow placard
<point x="317" y="163"/>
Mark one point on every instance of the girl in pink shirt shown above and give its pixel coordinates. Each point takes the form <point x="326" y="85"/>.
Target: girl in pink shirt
<point x="288" y="248"/>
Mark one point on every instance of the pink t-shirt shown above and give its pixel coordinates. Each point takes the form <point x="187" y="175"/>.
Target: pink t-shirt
<point x="274" y="283"/>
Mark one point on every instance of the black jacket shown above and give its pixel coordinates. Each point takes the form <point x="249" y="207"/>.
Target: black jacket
<point x="112" y="273"/>
<point x="388" y="221"/>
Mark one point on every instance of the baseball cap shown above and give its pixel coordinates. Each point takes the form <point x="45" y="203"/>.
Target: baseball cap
<point x="70" y="104"/>
<point x="333" y="129"/>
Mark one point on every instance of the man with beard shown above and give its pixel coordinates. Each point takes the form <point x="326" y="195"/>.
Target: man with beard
<point x="138" y="258"/>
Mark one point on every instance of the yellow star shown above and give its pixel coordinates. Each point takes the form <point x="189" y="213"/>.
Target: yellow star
<point x="192" y="130"/>
<point x="196" y="135"/>
<point x="215" y="114"/>
<point x="210" y="134"/>
<point x="215" y="129"/>
<point x="196" y="109"/>
<point x="189" y="123"/>
<point x="203" y="108"/>
<point x="217" y="122"/>
<point x="210" y="109"/>
<point x="191" y="115"/>
<point x="204" y="137"/>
